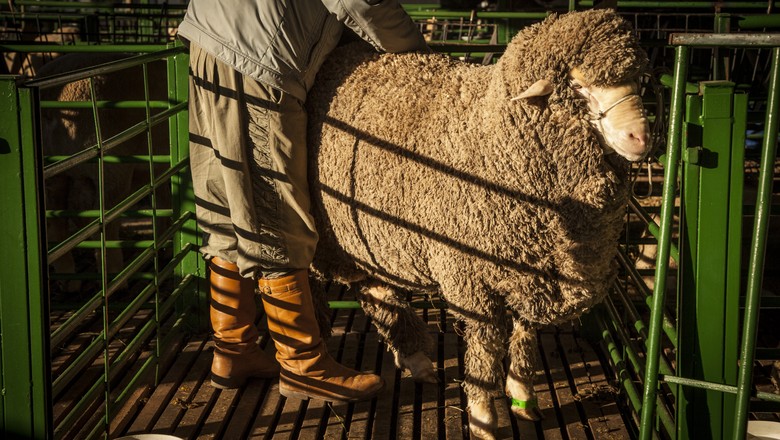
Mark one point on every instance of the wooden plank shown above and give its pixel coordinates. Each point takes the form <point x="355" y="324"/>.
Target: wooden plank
<point x="367" y="342"/>
<point x="216" y="421"/>
<point x="196" y="412"/>
<point x="454" y="401"/>
<point x="594" y="391"/>
<point x="312" y="425"/>
<point x="155" y="404"/>
<point x="383" y="416"/>
<point x="288" y="419"/>
<point x="344" y="350"/>
<point x="186" y="395"/>
<point x="429" y="408"/>
<point x="545" y="393"/>
<point x="246" y="408"/>
<point x="573" y="423"/>
<point x="406" y="394"/>
<point x="267" y="414"/>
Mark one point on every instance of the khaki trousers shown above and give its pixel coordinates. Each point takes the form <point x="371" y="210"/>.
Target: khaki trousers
<point x="248" y="161"/>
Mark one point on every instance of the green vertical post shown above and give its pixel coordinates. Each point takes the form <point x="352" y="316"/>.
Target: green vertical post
<point x="195" y="300"/>
<point x="711" y="236"/>
<point x="757" y="248"/>
<point x="650" y="386"/>
<point x="25" y="401"/>
<point x="720" y="69"/>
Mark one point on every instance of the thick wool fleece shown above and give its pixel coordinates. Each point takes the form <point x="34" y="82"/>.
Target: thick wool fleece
<point x="426" y="176"/>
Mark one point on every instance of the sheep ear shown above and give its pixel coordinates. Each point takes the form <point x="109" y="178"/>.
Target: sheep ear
<point x="543" y="87"/>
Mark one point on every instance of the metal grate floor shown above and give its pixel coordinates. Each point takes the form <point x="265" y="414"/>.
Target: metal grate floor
<point x="573" y="386"/>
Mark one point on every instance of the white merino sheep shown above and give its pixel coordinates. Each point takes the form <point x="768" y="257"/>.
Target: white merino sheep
<point x="492" y="185"/>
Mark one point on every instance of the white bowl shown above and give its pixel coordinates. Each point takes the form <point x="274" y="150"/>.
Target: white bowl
<point x="763" y="430"/>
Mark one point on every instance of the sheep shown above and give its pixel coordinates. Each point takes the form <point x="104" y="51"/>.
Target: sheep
<point x="28" y="64"/>
<point x="68" y="131"/>
<point x="495" y="186"/>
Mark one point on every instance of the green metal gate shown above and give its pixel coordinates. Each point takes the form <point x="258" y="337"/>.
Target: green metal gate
<point x="686" y="361"/>
<point x="71" y="359"/>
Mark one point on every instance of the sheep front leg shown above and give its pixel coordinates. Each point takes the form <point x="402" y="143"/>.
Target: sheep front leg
<point x="484" y="373"/>
<point x="403" y="330"/>
<point x="522" y="366"/>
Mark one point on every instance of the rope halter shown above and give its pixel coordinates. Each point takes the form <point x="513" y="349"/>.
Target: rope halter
<point x="601" y="114"/>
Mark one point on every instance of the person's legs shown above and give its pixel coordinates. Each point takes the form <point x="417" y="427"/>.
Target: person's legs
<point x="215" y="161"/>
<point x="248" y="155"/>
<point x="279" y="170"/>
<point x="237" y="356"/>
<point x="308" y="371"/>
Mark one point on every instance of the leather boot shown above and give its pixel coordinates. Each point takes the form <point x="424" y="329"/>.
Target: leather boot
<point x="308" y="371"/>
<point x="237" y="357"/>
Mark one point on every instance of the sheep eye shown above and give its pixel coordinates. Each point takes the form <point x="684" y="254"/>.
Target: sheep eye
<point x="575" y="86"/>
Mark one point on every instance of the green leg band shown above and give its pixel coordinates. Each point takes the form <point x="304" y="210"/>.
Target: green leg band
<point x="525" y="404"/>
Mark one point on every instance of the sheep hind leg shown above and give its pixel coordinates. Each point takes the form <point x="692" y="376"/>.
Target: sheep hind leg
<point x="484" y="373"/>
<point x="522" y="366"/>
<point x="402" y="329"/>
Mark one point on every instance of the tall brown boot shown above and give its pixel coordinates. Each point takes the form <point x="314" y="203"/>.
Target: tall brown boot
<point x="308" y="371"/>
<point x="237" y="356"/>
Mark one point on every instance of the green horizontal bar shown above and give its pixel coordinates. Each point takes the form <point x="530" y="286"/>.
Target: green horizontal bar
<point x="759" y="21"/>
<point x="66" y="306"/>
<point x="472" y="15"/>
<point x="85" y="276"/>
<point x="81" y="48"/>
<point x="712" y="386"/>
<point x="344" y="304"/>
<point x="116" y="244"/>
<point x="767" y="353"/>
<point x="667" y="81"/>
<point x="416" y="304"/>
<point x="157" y="158"/>
<point x="113" y="66"/>
<point x="682" y="4"/>
<point x="767" y="302"/>
<point x="756" y="40"/>
<point x="94" y="213"/>
<point x="95" y="5"/>
<point x="466" y="47"/>
<point x="103" y="104"/>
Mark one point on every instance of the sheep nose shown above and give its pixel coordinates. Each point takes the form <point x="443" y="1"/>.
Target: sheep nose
<point x="638" y="142"/>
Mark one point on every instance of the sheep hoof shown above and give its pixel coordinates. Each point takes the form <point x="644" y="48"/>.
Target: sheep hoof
<point x="419" y="365"/>
<point x="527" y="411"/>
<point x="481" y="435"/>
<point x="478" y="430"/>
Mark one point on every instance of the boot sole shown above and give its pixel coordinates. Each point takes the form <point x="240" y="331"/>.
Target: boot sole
<point x="289" y="393"/>
<point x="230" y="384"/>
<point x="227" y="385"/>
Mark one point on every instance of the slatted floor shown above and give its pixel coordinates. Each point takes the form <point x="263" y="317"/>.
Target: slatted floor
<point x="575" y="394"/>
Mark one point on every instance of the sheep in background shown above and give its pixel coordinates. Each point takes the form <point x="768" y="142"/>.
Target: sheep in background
<point x="492" y="185"/>
<point x="68" y="131"/>
<point x="28" y="64"/>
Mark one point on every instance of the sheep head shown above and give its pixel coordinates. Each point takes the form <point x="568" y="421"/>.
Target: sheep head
<point x="591" y="57"/>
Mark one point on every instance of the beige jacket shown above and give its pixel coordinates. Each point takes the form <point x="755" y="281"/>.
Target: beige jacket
<point x="283" y="43"/>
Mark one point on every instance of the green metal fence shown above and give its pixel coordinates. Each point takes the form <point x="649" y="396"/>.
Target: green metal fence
<point x="684" y="349"/>
<point x="72" y="357"/>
